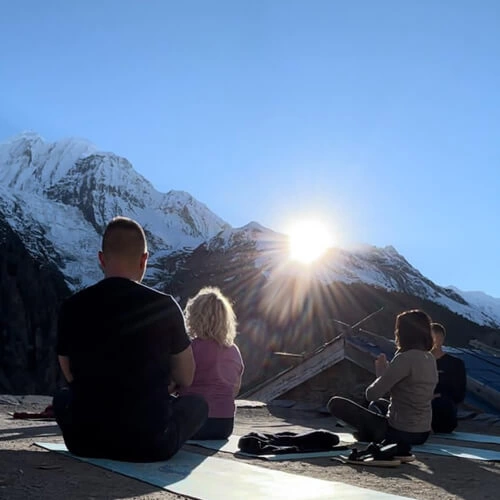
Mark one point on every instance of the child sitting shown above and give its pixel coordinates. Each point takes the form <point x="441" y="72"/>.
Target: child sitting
<point x="410" y="378"/>
<point x="211" y="323"/>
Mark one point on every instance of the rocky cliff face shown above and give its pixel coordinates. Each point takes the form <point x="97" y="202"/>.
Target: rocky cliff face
<point x="30" y="294"/>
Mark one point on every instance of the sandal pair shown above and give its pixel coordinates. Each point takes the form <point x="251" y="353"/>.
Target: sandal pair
<point x="374" y="455"/>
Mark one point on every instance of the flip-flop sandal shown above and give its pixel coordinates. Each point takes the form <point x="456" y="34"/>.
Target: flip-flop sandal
<point x="369" y="461"/>
<point x="406" y="459"/>
<point x="377" y="451"/>
<point x="373" y="455"/>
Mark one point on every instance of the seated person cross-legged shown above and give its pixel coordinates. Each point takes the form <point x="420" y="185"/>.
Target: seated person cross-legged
<point x="120" y="344"/>
<point x="450" y="390"/>
<point x="211" y="322"/>
<point x="410" y="378"/>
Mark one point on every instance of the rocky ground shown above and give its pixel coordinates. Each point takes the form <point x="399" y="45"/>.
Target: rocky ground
<point x="29" y="472"/>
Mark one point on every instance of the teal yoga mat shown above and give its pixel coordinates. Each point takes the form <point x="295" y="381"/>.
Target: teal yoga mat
<point x="212" y="478"/>
<point x="231" y="446"/>
<point x="457" y="451"/>
<point x="469" y="436"/>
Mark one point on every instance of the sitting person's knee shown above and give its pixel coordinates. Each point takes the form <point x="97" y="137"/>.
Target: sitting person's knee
<point x="333" y="403"/>
<point x="378" y="407"/>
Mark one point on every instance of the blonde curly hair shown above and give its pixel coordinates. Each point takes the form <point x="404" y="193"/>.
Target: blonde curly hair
<point x="210" y="315"/>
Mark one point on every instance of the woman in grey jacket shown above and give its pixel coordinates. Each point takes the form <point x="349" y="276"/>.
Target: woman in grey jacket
<point x="410" y="379"/>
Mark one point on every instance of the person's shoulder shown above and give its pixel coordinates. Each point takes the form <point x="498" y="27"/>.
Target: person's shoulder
<point x="147" y="290"/>
<point x="417" y="355"/>
<point x="236" y="353"/>
<point x="82" y="295"/>
<point x="455" y="360"/>
<point x="234" y="349"/>
<point x="203" y="348"/>
<point x="205" y="344"/>
<point x="404" y="354"/>
<point x="155" y="294"/>
<point x="104" y="286"/>
<point x="402" y="357"/>
<point x="197" y="342"/>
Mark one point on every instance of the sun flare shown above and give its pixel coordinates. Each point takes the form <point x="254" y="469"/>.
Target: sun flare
<point x="308" y="240"/>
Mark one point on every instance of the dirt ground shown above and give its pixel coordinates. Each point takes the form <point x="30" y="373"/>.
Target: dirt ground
<point x="27" y="471"/>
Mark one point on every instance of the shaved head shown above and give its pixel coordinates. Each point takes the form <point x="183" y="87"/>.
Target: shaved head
<point x="124" y="239"/>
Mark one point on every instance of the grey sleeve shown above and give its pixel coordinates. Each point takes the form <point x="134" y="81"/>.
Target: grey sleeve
<point x="398" y="369"/>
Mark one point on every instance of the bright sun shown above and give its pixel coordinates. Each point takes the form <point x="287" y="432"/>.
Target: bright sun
<point x="308" y="241"/>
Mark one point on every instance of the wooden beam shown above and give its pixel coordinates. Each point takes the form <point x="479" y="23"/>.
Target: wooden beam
<point x="484" y="392"/>
<point x="296" y="375"/>
<point x="484" y="347"/>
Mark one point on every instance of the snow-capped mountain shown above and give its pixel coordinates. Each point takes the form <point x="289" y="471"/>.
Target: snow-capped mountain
<point x="58" y="197"/>
<point x="386" y="268"/>
<point x="379" y="267"/>
<point x="487" y="304"/>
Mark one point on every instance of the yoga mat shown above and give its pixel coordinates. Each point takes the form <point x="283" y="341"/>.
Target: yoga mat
<point x="212" y="478"/>
<point x="458" y="451"/>
<point x="295" y="456"/>
<point x="231" y="446"/>
<point x="469" y="436"/>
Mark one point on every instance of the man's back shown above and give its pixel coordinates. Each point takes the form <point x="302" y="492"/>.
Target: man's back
<point x="119" y="346"/>
<point x="452" y="378"/>
<point x="119" y="336"/>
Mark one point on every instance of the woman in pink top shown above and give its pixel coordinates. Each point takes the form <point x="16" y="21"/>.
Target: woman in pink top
<point x="211" y="323"/>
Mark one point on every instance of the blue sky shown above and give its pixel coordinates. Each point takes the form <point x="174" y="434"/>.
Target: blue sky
<point x="381" y="118"/>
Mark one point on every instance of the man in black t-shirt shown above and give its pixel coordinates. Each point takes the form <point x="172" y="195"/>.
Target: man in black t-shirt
<point x="450" y="390"/>
<point x="122" y="347"/>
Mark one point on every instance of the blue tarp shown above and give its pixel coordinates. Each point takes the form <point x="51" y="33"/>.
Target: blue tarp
<point x="480" y="365"/>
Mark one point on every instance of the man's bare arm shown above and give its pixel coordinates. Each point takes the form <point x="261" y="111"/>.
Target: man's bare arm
<point x="182" y="367"/>
<point x="64" y="364"/>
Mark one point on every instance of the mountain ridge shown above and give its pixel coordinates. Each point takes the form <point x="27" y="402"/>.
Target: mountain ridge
<point x="55" y="200"/>
<point x="59" y="196"/>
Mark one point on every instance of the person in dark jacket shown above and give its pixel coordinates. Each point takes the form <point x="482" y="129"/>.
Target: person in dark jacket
<point x="450" y="390"/>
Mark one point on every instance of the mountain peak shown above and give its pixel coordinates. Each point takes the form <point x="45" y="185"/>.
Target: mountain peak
<point x="28" y="163"/>
<point x="254" y="226"/>
<point x="69" y="190"/>
<point x="26" y="135"/>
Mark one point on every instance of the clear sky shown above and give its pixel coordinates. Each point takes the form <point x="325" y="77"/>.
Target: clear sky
<point x="382" y="118"/>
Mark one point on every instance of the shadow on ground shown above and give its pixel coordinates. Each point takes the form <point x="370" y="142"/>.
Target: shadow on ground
<point x="469" y="480"/>
<point x="41" y="474"/>
<point x="26" y="432"/>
